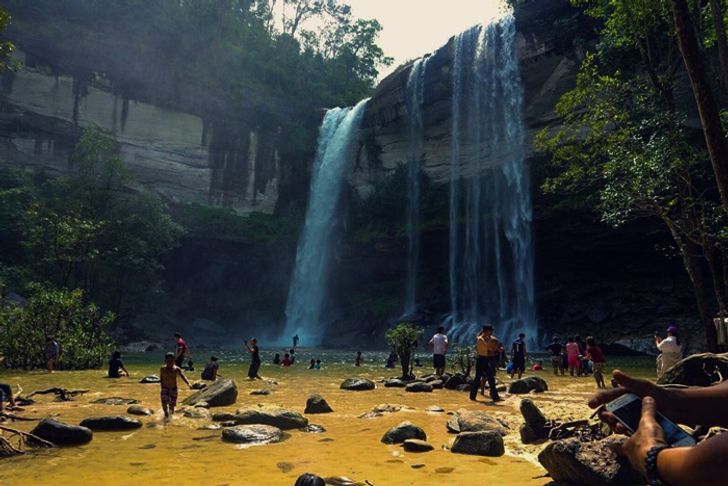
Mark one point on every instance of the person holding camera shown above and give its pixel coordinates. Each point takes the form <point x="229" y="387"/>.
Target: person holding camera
<point x="252" y="348"/>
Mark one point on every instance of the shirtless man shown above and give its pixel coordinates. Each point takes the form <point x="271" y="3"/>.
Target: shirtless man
<point x="168" y="375"/>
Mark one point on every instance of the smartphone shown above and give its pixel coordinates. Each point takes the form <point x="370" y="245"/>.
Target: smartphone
<point x="628" y="410"/>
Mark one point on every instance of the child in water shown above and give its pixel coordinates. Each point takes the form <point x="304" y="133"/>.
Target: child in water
<point x="168" y="379"/>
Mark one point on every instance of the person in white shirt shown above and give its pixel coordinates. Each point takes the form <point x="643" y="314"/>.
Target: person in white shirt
<point x="670" y="350"/>
<point x="439" y="345"/>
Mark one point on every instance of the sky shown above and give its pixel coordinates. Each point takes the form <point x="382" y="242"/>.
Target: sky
<point x="413" y="28"/>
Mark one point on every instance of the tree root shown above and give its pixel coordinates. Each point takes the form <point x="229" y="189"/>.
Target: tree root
<point x="7" y="449"/>
<point x="28" y="438"/>
<point x="62" y="395"/>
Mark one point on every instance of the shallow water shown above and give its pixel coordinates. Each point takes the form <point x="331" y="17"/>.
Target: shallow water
<point x="177" y="453"/>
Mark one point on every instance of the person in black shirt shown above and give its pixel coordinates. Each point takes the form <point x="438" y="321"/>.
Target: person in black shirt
<point x="116" y="367"/>
<point x="557" y="360"/>
<point x="210" y="372"/>
<point x="254" y="359"/>
<point x="519" y="355"/>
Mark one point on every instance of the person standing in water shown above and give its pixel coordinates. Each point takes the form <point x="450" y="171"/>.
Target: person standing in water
<point x="181" y="350"/>
<point x="359" y="359"/>
<point x="670" y="350"/>
<point x="295" y="341"/>
<point x="116" y="367"/>
<point x="519" y="356"/>
<point x="210" y="373"/>
<point x="487" y="347"/>
<point x="439" y="345"/>
<point x="252" y="348"/>
<point x="168" y="379"/>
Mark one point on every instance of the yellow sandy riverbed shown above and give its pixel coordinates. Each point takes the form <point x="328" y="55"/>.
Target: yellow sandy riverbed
<point x="180" y="454"/>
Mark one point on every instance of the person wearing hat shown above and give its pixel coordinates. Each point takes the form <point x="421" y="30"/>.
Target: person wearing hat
<point x="670" y="350"/>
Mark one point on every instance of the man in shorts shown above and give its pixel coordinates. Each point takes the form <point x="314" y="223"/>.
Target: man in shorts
<point x="168" y="379"/>
<point x="519" y="356"/>
<point x="439" y="345"/>
<point x="557" y="351"/>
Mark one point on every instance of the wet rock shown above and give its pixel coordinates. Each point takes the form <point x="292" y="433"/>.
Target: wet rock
<point x="115" y="401"/>
<point x="252" y="434"/>
<point x="528" y="384"/>
<point x="271" y="415"/>
<point x="588" y="463"/>
<point x="139" y="410"/>
<point x="488" y="443"/>
<point x="697" y="370"/>
<point x="202" y="405"/>
<point x="62" y="434"/>
<point x="430" y="378"/>
<point x="532" y="414"/>
<point x="454" y="381"/>
<point x="150" y="379"/>
<point x="223" y="417"/>
<point x="434" y="408"/>
<point x="453" y="425"/>
<point x="463" y="388"/>
<point x="317" y="404"/>
<point x="199" y="385"/>
<point x="417" y="445"/>
<point x="313" y="429"/>
<point x="219" y="394"/>
<point x="394" y="383"/>
<point x="476" y="421"/>
<point x="263" y="392"/>
<point x="436" y="384"/>
<point x="357" y="384"/>
<point x="342" y="481"/>
<point x="418" y="387"/>
<point x="405" y="430"/>
<point x="197" y="413"/>
<point x="111" y="423"/>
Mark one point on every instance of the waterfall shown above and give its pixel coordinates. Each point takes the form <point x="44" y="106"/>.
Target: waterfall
<point x="308" y="288"/>
<point x="491" y="258"/>
<point x="415" y="95"/>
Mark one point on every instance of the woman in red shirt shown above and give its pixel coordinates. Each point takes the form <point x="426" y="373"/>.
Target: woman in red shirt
<point x="596" y="356"/>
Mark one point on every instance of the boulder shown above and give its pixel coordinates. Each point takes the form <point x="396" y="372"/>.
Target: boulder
<point x="271" y="415"/>
<point x="198" y="413"/>
<point x="394" y="383"/>
<point x="530" y="436"/>
<point x="405" y="430"/>
<point x="477" y="421"/>
<point x="139" y="410"/>
<point x="528" y="384"/>
<point x="419" y="387"/>
<point x="219" y="394"/>
<point x="417" y="445"/>
<point x="532" y="414"/>
<point x="697" y="370"/>
<point x="357" y="384"/>
<point x="317" y="404"/>
<point x="487" y="443"/>
<point x="464" y="387"/>
<point x="111" y="423"/>
<point x="453" y="425"/>
<point x="436" y="384"/>
<point x="252" y="434"/>
<point x="150" y="379"/>
<point x="223" y="417"/>
<point x="62" y="434"/>
<point x="115" y="401"/>
<point x="454" y="381"/>
<point x="588" y="463"/>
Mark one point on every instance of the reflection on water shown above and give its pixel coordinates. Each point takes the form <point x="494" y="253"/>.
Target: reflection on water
<point x="180" y="453"/>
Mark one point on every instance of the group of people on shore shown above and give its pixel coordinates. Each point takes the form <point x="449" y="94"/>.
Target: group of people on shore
<point x="579" y="357"/>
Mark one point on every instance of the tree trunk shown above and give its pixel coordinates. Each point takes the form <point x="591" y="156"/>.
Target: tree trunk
<point x="405" y="360"/>
<point x="709" y="114"/>
<point x="719" y="24"/>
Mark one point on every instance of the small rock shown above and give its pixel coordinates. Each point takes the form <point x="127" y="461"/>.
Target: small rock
<point x="435" y="408"/>
<point x="317" y="404"/>
<point x="139" y="410"/>
<point x="463" y="388"/>
<point x="260" y="392"/>
<point x="62" y="434"/>
<point x="454" y="381"/>
<point x="150" y="379"/>
<point x="271" y="415"/>
<point x="394" y="383"/>
<point x="115" y="401"/>
<point x="223" y="417"/>
<point x="436" y="384"/>
<point x="403" y="431"/>
<point x="252" y="434"/>
<point x="196" y="413"/>
<point x="313" y="429"/>
<point x="417" y="466"/>
<point x="111" y="423"/>
<point x="357" y="384"/>
<point x="202" y="405"/>
<point x="528" y="384"/>
<point x="390" y="408"/>
<point x="417" y="445"/>
<point x="199" y="385"/>
<point x="418" y="387"/>
<point x="488" y="443"/>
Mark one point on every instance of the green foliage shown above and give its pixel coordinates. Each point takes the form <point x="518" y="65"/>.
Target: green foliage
<point x="80" y="330"/>
<point x="85" y="230"/>
<point x="464" y="359"/>
<point x="6" y="47"/>
<point x="402" y="339"/>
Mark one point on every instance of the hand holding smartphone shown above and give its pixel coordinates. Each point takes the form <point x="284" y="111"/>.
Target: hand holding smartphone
<point x="628" y="410"/>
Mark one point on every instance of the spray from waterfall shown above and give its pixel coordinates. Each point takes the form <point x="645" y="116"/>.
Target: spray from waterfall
<point x="334" y="156"/>
<point x="415" y="100"/>
<point x="491" y="257"/>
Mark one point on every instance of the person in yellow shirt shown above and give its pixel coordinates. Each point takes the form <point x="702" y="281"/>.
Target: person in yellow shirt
<point x="487" y="347"/>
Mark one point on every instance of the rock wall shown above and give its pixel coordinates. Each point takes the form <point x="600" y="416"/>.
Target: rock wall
<point x="176" y="154"/>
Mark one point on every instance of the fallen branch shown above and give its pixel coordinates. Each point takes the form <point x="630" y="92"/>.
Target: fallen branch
<point x="7" y="449"/>
<point x="28" y="437"/>
<point x="62" y="394"/>
<point x="16" y="418"/>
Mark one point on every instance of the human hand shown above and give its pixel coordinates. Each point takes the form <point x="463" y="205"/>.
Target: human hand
<point x="665" y="399"/>
<point x="649" y="434"/>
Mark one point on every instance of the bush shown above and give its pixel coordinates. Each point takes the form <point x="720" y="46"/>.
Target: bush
<point x="464" y="359"/>
<point x="403" y="341"/>
<point x="79" y="328"/>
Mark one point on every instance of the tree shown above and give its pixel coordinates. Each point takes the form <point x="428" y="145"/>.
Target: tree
<point x="403" y="340"/>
